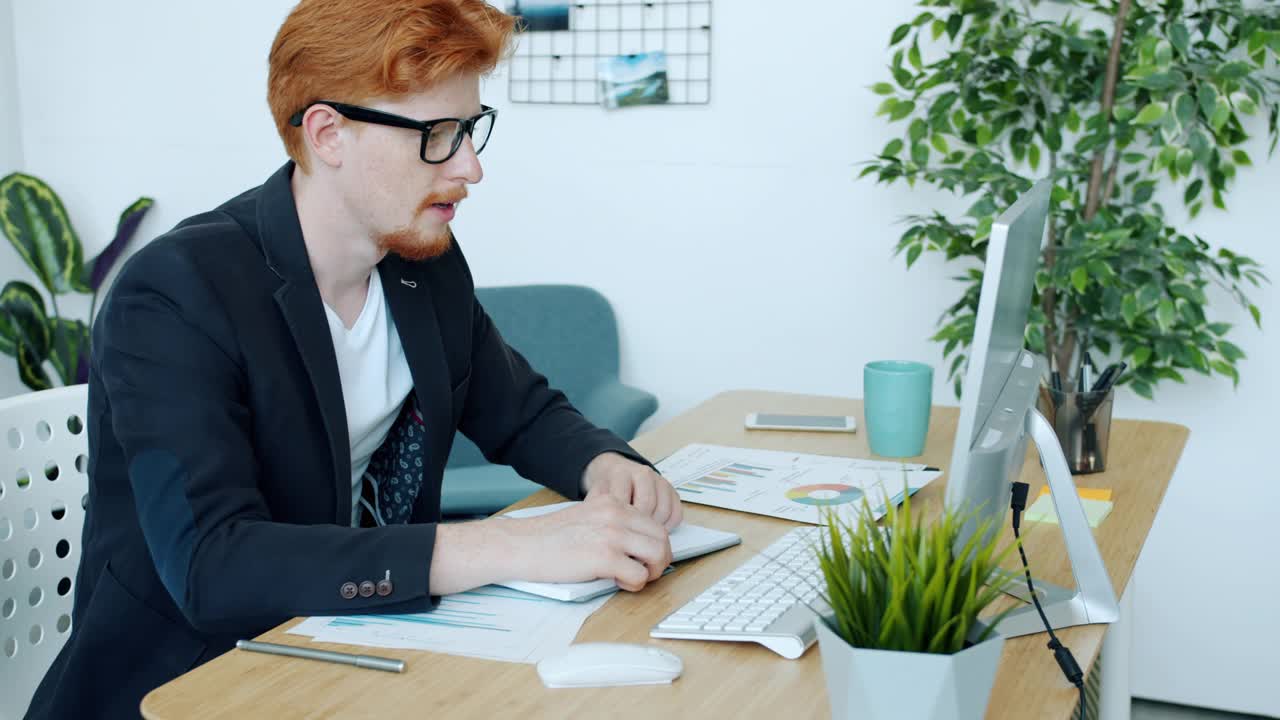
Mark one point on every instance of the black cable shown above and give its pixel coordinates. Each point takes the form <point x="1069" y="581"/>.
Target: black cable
<point x="1066" y="661"/>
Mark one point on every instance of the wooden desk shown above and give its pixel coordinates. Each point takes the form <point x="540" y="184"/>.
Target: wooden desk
<point x="720" y="679"/>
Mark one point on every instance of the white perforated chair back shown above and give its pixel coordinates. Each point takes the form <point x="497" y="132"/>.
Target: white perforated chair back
<point x="44" y="489"/>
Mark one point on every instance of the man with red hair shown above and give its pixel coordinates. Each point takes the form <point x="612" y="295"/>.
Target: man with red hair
<point x="276" y="383"/>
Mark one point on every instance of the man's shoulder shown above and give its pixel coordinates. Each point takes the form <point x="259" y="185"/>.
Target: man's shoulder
<point x="219" y="244"/>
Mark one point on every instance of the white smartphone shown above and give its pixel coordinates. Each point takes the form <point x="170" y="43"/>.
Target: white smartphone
<point x="819" y="423"/>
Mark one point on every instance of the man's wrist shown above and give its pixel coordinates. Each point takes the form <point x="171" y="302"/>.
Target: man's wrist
<point x="471" y="554"/>
<point x="593" y="469"/>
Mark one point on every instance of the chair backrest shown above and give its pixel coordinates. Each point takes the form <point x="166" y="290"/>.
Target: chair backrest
<point x="567" y="332"/>
<point x="44" y="489"/>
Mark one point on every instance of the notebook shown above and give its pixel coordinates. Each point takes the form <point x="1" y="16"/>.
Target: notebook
<point x="687" y="541"/>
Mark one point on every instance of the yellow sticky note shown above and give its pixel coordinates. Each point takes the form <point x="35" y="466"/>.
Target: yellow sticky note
<point x="1086" y="493"/>
<point x="1042" y="510"/>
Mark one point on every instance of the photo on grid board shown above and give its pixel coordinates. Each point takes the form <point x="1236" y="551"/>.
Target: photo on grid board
<point x="540" y="15"/>
<point x="636" y="79"/>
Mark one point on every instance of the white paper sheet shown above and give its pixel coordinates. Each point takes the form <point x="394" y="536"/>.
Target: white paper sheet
<point x="489" y="622"/>
<point x="792" y="486"/>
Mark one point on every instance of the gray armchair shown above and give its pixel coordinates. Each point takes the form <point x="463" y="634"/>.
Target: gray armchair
<point x="569" y="334"/>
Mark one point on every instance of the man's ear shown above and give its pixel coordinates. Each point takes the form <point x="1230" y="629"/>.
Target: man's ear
<point x="320" y="127"/>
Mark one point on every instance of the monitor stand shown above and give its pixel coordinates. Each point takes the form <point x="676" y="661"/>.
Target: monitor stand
<point x="1092" y="600"/>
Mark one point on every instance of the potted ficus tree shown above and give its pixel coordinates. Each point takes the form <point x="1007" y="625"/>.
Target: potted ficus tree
<point x="1110" y="100"/>
<point x="904" y="637"/>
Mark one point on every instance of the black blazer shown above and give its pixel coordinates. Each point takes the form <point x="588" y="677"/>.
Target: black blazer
<point x="220" y="476"/>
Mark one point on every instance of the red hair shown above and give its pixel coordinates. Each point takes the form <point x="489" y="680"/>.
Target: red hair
<point x="352" y="50"/>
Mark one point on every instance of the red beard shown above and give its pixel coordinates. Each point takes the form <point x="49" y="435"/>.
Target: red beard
<point x="411" y="244"/>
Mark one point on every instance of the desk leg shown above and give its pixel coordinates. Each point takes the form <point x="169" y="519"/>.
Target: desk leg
<point x="1116" y="697"/>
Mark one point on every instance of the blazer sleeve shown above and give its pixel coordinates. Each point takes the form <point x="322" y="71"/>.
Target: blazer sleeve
<point x="166" y="358"/>
<point x="517" y="419"/>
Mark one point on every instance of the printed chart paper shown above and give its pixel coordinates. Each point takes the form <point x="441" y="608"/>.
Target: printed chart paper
<point x="490" y="622"/>
<point x="791" y="486"/>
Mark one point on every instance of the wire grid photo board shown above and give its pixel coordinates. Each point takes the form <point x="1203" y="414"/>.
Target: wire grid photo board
<point x="559" y="65"/>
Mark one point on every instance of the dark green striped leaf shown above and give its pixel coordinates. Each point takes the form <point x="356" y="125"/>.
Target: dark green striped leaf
<point x="70" y="339"/>
<point x="36" y="223"/>
<point x="23" y="322"/>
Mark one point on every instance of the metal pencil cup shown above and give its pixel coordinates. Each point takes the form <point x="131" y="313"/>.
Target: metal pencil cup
<point x="1082" y="421"/>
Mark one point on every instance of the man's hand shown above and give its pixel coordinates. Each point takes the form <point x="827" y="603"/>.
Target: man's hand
<point x="601" y="537"/>
<point x="633" y="484"/>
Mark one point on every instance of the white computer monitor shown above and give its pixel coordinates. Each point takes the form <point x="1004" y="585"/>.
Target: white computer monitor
<point x="1001" y="380"/>
<point x="998" y="416"/>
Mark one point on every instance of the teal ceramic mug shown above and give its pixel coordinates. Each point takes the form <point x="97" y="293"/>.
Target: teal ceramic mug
<point x="897" y="398"/>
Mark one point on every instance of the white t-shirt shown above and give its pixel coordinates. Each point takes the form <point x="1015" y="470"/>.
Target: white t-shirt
<point x="375" y="379"/>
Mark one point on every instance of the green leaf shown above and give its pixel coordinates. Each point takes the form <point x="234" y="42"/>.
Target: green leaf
<point x="23" y="322"/>
<point x="1184" y="109"/>
<point x="1184" y="161"/>
<point x="1230" y="351"/>
<point x="1221" y="112"/>
<point x="1033" y="156"/>
<point x="1160" y="81"/>
<point x="940" y="143"/>
<point x="1220" y="328"/>
<point x="1073" y="120"/>
<point x="1208" y="96"/>
<point x="1141" y="355"/>
<point x="920" y="153"/>
<point x="1164" y="53"/>
<point x="1241" y="157"/>
<point x="1165" y="314"/>
<point x="1148" y="296"/>
<point x="69" y="338"/>
<point x="36" y="223"/>
<point x="1228" y="370"/>
<point x="953" y="25"/>
<point x="1257" y="315"/>
<point x="899" y="33"/>
<point x="892" y="148"/>
<point x="917" y="130"/>
<point x="1080" y="279"/>
<point x="901" y="109"/>
<point x="913" y="254"/>
<point x="1233" y="70"/>
<point x="882" y="88"/>
<point x="31" y="370"/>
<point x="938" y="28"/>
<point x="913" y="56"/>
<point x="1129" y="309"/>
<point x="1244" y="103"/>
<point x="1152" y="113"/>
<point x="1179" y="37"/>
<point x="1193" y="191"/>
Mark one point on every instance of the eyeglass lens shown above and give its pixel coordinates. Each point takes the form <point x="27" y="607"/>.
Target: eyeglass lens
<point x="444" y="138"/>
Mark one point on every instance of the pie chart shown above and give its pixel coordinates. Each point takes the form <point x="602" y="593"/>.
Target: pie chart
<point x="827" y="494"/>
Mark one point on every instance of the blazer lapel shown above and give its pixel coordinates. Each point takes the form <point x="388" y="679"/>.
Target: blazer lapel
<point x="413" y="309"/>
<point x="303" y="310"/>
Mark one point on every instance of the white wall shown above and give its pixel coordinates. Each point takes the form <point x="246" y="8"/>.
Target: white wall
<point x="10" y="156"/>
<point x="731" y="238"/>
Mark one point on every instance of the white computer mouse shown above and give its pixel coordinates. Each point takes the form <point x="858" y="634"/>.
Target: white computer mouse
<point x="609" y="664"/>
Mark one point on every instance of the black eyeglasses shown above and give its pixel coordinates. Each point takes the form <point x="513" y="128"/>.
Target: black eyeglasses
<point x="441" y="138"/>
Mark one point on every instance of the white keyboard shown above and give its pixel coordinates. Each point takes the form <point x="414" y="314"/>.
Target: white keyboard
<point x="761" y="601"/>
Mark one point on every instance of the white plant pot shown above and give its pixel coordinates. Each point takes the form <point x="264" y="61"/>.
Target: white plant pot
<point x="891" y="685"/>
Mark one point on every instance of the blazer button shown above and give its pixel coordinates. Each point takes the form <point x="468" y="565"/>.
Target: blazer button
<point x="385" y="587"/>
<point x="366" y="589"/>
<point x="348" y="590"/>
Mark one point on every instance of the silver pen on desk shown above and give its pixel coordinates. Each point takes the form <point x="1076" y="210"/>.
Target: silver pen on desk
<point x="364" y="661"/>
